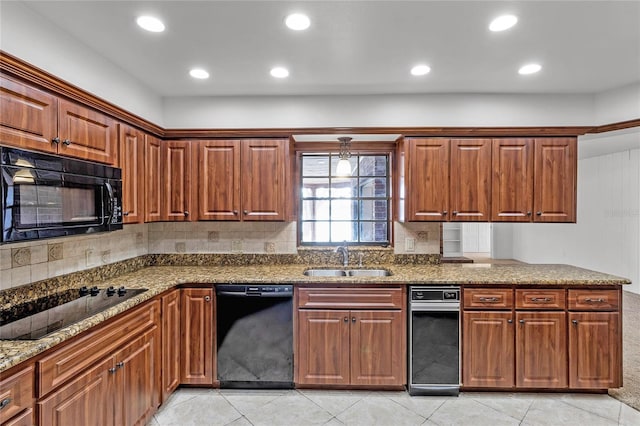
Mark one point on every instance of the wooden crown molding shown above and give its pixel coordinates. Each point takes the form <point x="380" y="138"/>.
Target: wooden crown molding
<point x="18" y="68"/>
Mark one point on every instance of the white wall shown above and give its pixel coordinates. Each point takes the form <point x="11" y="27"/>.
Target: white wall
<point x="606" y="236"/>
<point x="30" y="37"/>
<point x="620" y="104"/>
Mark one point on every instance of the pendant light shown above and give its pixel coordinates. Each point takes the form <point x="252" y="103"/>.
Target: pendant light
<point x="344" y="165"/>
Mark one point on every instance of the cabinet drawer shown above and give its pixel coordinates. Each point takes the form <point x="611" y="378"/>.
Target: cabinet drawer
<point x="594" y="300"/>
<point x="488" y="298"/>
<point x="540" y="299"/>
<point x="351" y="298"/>
<point x="67" y="362"/>
<point x="23" y="419"/>
<point x="16" y="394"/>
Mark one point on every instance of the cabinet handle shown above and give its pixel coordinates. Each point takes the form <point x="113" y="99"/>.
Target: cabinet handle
<point x="245" y="211"/>
<point x="66" y="142"/>
<point x="541" y="299"/>
<point x="455" y="213"/>
<point x="444" y="213"/>
<point x="521" y="321"/>
<point x="235" y="212"/>
<point x="353" y="319"/>
<point x="120" y="364"/>
<point x="528" y="213"/>
<point x="346" y="319"/>
<point x="55" y="140"/>
<point x="489" y="299"/>
<point x="207" y="298"/>
<point x="126" y="213"/>
<point x="574" y="322"/>
<point x="538" y="213"/>
<point x="5" y="402"/>
<point x="590" y="300"/>
<point x="112" y="370"/>
<point x="510" y="321"/>
<point x="186" y="213"/>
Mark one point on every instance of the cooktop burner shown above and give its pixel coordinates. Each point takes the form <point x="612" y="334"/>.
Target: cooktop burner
<point x="36" y="319"/>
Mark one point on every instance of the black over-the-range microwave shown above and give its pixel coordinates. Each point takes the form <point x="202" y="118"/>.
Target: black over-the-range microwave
<point x="45" y="196"/>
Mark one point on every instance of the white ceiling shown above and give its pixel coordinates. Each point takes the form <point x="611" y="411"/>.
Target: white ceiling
<point x="362" y="47"/>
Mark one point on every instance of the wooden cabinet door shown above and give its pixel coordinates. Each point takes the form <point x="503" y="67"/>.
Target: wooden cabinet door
<point x="197" y="336"/>
<point x="488" y="349"/>
<point x="16" y="393"/>
<point x="594" y="350"/>
<point x="263" y="179"/>
<point x="170" y="343"/>
<point x="87" y="134"/>
<point x="176" y="199"/>
<point x="470" y="180"/>
<point x="86" y="400"/>
<point x="153" y="187"/>
<point x="29" y="116"/>
<point x="323" y="347"/>
<point x="132" y="146"/>
<point x="218" y="180"/>
<point x="138" y="379"/>
<point x="427" y="180"/>
<point x="541" y="350"/>
<point x="378" y="348"/>
<point x="512" y="182"/>
<point x="554" y="192"/>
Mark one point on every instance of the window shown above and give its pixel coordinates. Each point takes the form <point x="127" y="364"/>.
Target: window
<point x="354" y="208"/>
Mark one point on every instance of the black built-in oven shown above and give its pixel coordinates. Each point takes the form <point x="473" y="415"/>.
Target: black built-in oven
<point x="47" y="196"/>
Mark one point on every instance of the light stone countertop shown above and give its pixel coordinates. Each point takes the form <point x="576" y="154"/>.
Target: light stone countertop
<point x="158" y="279"/>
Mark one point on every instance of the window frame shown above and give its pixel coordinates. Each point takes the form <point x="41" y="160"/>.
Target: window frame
<point x="383" y="149"/>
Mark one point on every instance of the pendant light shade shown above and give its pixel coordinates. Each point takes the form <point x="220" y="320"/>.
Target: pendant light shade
<point x="344" y="165"/>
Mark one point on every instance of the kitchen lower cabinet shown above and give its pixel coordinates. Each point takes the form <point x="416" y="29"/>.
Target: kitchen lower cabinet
<point x="170" y="348"/>
<point x="16" y="397"/>
<point x="197" y="364"/>
<point x="351" y="347"/>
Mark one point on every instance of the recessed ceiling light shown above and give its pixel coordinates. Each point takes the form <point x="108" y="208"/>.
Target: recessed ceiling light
<point x="150" y="23"/>
<point x="199" y="73"/>
<point x="279" y="72"/>
<point x="297" y="21"/>
<point x="503" y="22"/>
<point x="420" y="69"/>
<point x="529" y="69"/>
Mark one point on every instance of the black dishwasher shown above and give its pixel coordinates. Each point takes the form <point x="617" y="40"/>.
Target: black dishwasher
<point x="254" y="336"/>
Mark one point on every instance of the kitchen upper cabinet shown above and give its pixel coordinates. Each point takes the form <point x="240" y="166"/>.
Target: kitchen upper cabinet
<point x="218" y="171"/>
<point x="29" y="116"/>
<point x="132" y="152"/>
<point x="470" y="180"/>
<point x="34" y="119"/>
<point x="488" y="349"/>
<point x="170" y="348"/>
<point x="427" y="176"/>
<point x="176" y="178"/>
<point x="197" y="336"/>
<point x="512" y="182"/>
<point x="153" y="179"/>
<point x="554" y="195"/>
<point x="264" y="164"/>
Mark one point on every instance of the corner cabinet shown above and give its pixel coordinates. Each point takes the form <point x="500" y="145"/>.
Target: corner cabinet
<point x="350" y="337"/>
<point x="244" y="179"/>
<point x="35" y="119"/>
<point x="176" y="178"/>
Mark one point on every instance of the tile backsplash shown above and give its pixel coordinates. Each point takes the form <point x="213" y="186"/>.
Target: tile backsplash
<point x="24" y="263"/>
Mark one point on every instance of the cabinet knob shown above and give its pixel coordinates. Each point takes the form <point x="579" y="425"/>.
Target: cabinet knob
<point x="66" y="142"/>
<point x="353" y="319"/>
<point x="521" y="321"/>
<point x="126" y="213"/>
<point x="55" y="140"/>
<point x="528" y="213"/>
<point x="5" y="402"/>
<point x="538" y="213"/>
<point x="509" y="321"/>
<point x="444" y="213"/>
<point x="207" y="298"/>
<point x="186" y="213"/>
<point x="112" y="370"/>
<point x="574" y="322"/>
<point x="455" y="213"/>
<point x="120" y="364"/>
<point x="235" y="212"/>
<point x="346" y="319"/>
<point x="245" y="211"/>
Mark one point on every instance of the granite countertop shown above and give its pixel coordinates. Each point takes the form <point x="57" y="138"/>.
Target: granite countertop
<point x="161" y="278"/>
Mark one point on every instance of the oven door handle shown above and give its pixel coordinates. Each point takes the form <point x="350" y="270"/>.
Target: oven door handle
<point x="436" y="307"/>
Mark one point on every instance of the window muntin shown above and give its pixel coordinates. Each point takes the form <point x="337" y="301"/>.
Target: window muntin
<point x="355" y="209"/>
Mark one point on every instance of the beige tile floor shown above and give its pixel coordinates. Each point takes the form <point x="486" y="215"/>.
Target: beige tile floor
<point x="313" y="407"/>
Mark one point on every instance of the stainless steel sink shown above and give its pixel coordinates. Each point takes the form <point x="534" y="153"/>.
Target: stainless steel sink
<point x="347" y="273"/>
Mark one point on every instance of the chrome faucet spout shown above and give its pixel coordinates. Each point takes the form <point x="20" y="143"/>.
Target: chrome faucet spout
<point x="344" y="250"/>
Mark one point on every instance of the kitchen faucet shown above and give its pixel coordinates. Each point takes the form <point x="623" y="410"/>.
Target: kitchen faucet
<point x="345" y="254"/>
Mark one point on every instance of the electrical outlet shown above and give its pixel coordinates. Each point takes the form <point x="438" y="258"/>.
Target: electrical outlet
<point x="106" y="256"/>
<point x="88" y="253"/>
<point x="236" y="246"/>
<point x="410" y="244"/>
